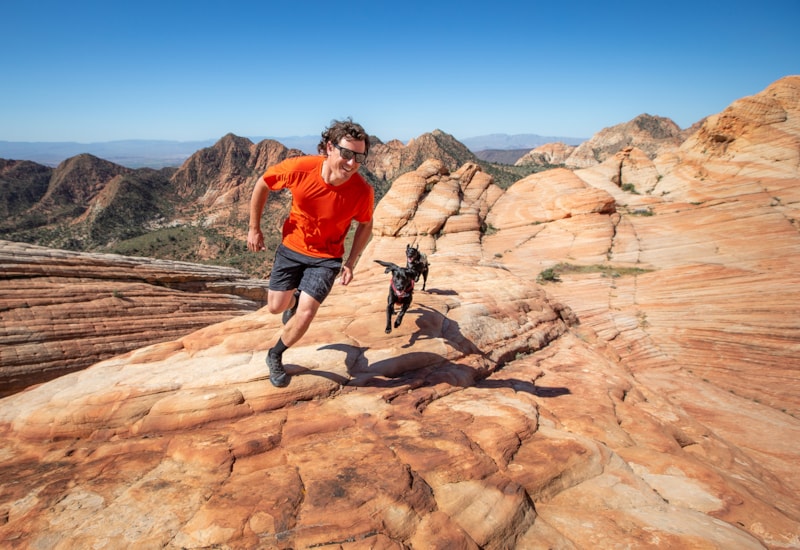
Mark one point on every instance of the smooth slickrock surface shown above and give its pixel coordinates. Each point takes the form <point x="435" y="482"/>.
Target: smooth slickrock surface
<point x="650" y="404"/>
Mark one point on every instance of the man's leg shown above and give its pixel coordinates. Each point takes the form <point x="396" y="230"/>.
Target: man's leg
<point x="297" y="326"/>
<point x="279" y="300"/>
<point x="316" y="282"/>
<point x="294" y="329"/>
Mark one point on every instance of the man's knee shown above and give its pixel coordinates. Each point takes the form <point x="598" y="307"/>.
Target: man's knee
<point x="276" y="303"/>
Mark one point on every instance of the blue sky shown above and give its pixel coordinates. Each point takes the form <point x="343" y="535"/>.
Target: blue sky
<point x="99" y="71"/>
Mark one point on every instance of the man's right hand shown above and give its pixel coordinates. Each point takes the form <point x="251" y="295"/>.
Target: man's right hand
<point x="255" y="240"/>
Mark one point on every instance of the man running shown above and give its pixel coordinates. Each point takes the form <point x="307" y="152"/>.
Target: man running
<point x="328" y="193"/>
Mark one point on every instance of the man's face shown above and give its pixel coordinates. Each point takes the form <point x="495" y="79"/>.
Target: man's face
<point x="341" y="166"/>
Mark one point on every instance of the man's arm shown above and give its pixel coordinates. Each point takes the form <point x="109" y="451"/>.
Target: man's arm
<point x="360" y="240"/>
<point x="255" y="238"/>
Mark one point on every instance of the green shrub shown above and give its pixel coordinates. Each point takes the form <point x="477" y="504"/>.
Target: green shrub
<point x="552" y="274"/>
<point x="549" y="275"/>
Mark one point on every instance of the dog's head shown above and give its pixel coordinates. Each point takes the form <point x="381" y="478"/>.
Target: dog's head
<point x="412" y="253"/>
<point x="402" y="277"/>
<point x="403" y="280"/>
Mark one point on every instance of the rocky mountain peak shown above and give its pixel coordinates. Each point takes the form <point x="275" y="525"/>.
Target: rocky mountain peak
<point x="652" y="134"/>
<point x="387" y="161"/>
<point x="77" y="180"/>
<point x="228" y="159"/>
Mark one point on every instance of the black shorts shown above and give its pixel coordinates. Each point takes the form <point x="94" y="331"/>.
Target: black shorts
<point x="314" y="276"/>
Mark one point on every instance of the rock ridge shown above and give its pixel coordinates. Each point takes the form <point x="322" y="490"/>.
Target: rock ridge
<point x="62" y="311"/>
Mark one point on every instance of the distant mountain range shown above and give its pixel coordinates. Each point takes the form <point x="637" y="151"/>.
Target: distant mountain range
<point x="131" y="153"/>
<point x="139" y="153"/>
<point x="515" y="141"/>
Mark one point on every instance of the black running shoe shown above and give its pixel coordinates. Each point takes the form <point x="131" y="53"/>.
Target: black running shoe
<point x="277" y="375"/>
<point x="290" y="312"/>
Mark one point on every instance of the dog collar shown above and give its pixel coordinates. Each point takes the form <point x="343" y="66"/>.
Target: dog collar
<point x="405" y="292"/>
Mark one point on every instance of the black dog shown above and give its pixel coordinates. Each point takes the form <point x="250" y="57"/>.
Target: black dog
<point x="401" y="292"/>
<point x="417" y="261"/>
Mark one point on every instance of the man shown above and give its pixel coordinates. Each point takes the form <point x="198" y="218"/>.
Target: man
<point x="328" y="193"/>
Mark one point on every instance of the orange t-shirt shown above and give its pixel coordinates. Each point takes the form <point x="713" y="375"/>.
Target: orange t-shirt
<point x="321" y="214"/>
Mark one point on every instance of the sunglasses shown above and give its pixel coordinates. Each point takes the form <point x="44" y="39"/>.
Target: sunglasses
<point x="347" y="154"/>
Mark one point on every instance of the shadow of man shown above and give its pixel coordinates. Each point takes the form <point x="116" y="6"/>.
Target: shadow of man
<point x="416" y="369"/>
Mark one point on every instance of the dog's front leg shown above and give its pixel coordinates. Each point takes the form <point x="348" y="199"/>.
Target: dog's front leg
<point x="389" y="311"/>
<point x="401" y="313"/>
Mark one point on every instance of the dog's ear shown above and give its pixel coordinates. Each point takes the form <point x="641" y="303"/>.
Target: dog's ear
<point x="388" y="265"/>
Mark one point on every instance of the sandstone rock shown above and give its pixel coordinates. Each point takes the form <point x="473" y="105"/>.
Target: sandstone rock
<point x="389" y="160"/>
<point x="548" y="154"/>
<point x="62" y="311"/>
<point x="649" y="399"/>
<point x="653" y="134"/>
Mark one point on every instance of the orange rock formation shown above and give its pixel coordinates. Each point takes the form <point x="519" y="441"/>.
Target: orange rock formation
<point x="648" y="399"/>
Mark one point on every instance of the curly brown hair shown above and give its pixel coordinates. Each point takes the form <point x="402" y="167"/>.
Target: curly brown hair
<point x="343" y="128"/>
